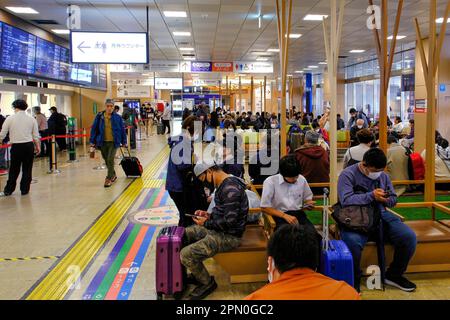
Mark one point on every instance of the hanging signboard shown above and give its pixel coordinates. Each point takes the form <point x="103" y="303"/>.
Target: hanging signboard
<point x="135" y="81"/>
<point x="185" y="66"/>
<point x="138" y="68"/>
<point x="201" y="66"/>
<point x="253" y="67"/>
<point x="164" y="66"/>
<point x="109" y="47"/>
<point x="168" y="83"/>
<point x="133" y="91"/>
<point x="222" y="67"/>
<point x="421" y="106"/>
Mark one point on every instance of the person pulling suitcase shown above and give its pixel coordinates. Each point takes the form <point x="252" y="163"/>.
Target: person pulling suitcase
<point x="108" y="134"/>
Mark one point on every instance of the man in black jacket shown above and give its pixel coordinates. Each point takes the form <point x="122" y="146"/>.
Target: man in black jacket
<point x="220" y="231"/>
<point x="57" y="125"/>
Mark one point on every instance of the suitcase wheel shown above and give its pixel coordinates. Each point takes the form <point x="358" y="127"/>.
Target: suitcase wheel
<point x="159" y="296"/>
<point x="178" y="295"/>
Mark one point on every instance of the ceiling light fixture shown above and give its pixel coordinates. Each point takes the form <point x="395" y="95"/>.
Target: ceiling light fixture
<point x="182" y="34"/>
<point x="398" y="37"/>
<point x="186" y="49"/>
<point x="299" y="71"/>
<point x="25" y="10"/>
<point x="294" y="36"/>
<point x="323" y="63"/>
<point x="189" y="58"/>
<point x="315" y="17"/>
<point x="175" y="14"/>
<point x="313" y="67"/>
<point x="357" y="51"/>
<point x="262" y="59"/>
<point x="441" y="20"/>
<point x="61" y="31"/>
<point x="273" y="50"/>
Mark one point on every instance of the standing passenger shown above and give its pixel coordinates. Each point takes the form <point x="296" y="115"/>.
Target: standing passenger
<point x="43" y="130"/>
<point x="108" y="134"/>
<point x="24" y="137"/>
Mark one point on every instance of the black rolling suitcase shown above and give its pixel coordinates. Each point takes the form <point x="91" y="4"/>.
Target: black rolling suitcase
<point x="131" y="165"/>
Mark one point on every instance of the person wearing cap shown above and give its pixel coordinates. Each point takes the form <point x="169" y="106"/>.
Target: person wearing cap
<point x="24" y="137"/>
<point x="313" y="160"/>
<point x="108" y="134"/>
<point x="220" y="231"/>
<point x="57" y="126"/>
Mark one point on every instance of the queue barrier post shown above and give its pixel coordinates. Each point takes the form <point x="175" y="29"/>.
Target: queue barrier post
<point x="85" y="153"/>
<point x="52" y="160"/>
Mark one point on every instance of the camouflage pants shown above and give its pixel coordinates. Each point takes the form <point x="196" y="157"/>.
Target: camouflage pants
<point x="201" y="244"/>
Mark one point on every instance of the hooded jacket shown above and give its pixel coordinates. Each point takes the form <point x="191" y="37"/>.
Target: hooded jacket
<point x="314" y="164"/>
<point x="179" y="163"/>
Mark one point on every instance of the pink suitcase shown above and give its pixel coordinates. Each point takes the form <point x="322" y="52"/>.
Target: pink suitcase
<point x="169" y="272"/>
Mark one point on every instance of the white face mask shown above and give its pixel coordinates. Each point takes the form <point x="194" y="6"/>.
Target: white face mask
<point x="360" y="127"/>
<point x="375" y="175"/>
<point x="270" y="276"/>
<point x="273" y="126"/>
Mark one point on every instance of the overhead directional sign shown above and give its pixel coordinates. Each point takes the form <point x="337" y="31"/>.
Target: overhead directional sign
<point x="109" y="47"/>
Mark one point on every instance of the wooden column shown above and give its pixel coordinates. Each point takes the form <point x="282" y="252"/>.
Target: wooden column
<point x="284" y="30"/>
<point x="240" y="95"/>
<point x="429" y="71"/>
<point x="263" y="107"/>
<point x="252" y="96"/>
<point x="302" y="92"/>
<point x="291" y="96"/>
<point x="385" y="62"/>
<point x="332" y="48"/>
<point x="228" y="88"/>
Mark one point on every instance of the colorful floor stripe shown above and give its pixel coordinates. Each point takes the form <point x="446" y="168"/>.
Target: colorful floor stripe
<point x="117" y="275"/>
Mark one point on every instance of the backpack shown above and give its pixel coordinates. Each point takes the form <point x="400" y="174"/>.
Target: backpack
<point x="352" y="161"/>
<point x="416" y="165"/>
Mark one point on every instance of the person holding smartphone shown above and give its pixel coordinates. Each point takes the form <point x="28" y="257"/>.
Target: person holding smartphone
<point x="25" y="140"/>
<point x="287" y="195"/>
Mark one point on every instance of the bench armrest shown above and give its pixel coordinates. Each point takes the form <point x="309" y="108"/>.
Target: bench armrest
<point x="269" y="224"/>
<point x="402" y="218"/>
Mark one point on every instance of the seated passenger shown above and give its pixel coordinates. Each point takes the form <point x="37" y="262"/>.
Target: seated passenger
<point x="359" y="125"/>
<point x="313" y="161"/>
<point x="220" y="231"/>
<point x="263" y="160"/>
<point x="292" y="263"/>
<point x="366" y="184"/>
<point x="231" y="162"/>
<point x="355" y="155"/>
<point x="442" y="171"/>
<point x="287" y="194"/>
<point x="397" y="164"/>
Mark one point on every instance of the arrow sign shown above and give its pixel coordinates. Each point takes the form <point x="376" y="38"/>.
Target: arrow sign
<point x="80" y="47"/>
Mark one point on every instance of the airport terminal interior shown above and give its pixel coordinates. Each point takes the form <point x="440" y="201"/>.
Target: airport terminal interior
<point x="111" y="83"/>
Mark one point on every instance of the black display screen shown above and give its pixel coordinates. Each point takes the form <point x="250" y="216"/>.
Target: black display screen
<point x="47" y="59"/>
<point x="18" y="50"/>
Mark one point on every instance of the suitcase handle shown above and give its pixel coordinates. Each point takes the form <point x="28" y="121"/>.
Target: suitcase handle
<point x="123" y="155"/>
<point x="325" y="231"/>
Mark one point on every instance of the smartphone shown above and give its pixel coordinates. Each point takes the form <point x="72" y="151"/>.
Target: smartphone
<point x="191" y="215"/>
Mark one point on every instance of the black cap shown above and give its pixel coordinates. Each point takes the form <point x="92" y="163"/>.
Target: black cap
<point x="53" y="109"/>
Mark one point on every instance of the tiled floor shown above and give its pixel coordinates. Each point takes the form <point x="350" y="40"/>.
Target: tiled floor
<point x="61" y="207"/>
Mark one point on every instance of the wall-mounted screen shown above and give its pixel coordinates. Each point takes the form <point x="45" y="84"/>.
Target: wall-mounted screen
<point x="48" y="56"/>
<point x="109" y="47"/>
<point x="18" y="50"/>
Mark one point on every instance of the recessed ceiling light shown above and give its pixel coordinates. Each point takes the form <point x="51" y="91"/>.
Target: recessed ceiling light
<point x="273" y="50"/>
<point x="299" y="71"/>
<point x="357" y="51"/>
<point x="186" y="49"/>
<point x="315" y="17"/>
<point x="290" y="75"/>
<point x="262" y="59"/>
<point x="182" y="34"/>
<point x="323" y="63"/>
<point x="294" y="36"/>
<point x="313" y="67"/>
<point x="441" y="20"/>
<point x="26" y="10"/>
<point x="189" y="58"/>
<point x="61" y="31"/>
<point x="175" y="14"/>
<point x="398" y="37"/>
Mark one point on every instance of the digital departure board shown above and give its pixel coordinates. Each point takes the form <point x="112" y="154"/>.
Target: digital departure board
<point x="64" y="65"/>
<point x="83" y="72"/>
<point x="18" y="50"/>
<point x="99" y="76"/>
<point x="47" y="59"/>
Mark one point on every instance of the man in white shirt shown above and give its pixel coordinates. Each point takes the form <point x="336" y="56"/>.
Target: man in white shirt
<point x="24" y="137"/>
<point x="166" y="117"/>
<point x="355" y="155"/>
<point x="287" y="194"/>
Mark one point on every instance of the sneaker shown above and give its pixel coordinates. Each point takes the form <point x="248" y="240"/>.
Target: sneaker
<point x="202" y="291"/>
<point x="113" y="180"/>
<point x="401" y="283"/>
<point x="108" y="183"/>
<point x="4" y="194"/>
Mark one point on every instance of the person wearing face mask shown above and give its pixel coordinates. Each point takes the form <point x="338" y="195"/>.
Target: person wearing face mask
<point x="179" y="166"/>
<point x="220" y="231"/>
<point x="286" y="195"/>
<point x="355" y="154"/>
<point x="293" y="261"/>
<point x="359" y="125"/>
<point x="364" y="184"/>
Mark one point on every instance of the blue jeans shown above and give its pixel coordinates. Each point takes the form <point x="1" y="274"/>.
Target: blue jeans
<point x="3" y="164"/>
<point x="396" y="233"/>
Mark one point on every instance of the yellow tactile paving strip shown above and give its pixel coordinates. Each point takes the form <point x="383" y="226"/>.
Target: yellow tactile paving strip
<point x="56" y="284"/>
<point x="28" y="259"/>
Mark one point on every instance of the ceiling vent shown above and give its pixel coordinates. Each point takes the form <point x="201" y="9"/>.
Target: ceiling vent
<point x="45" y="21"/>
<point x="188" y="55"/>
<point x="343" y="57"/>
